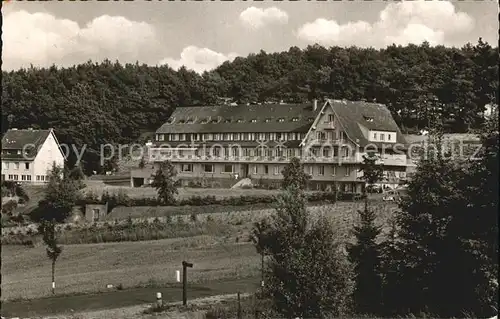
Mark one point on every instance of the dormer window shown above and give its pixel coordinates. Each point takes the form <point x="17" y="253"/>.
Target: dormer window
<point x="253" y="121"/>
<point x="171" y="120"/>
<point x="281" y="120"/>
<point x="368" y="119"/>
<point x="182" y="121"/>
<point x="227" y="121"/>
<point x="311" y="119"/>
<point x="295" y="119"/>
<point x="239" y="121"/>
<point x="189" y="121"/>
<point x="268" y="120"/>
<point x="204" y="121"/>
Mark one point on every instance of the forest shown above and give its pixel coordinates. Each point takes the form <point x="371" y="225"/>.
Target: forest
<point x="109" y="102"/>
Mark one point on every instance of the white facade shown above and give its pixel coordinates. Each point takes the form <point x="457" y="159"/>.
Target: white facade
<point x="34" y="170"/>
<point x="382" y="136"/>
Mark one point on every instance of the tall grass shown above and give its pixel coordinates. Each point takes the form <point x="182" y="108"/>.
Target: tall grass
<point x="128" y="231"/>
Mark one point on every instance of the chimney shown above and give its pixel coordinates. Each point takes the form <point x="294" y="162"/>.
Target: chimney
<point x="315" y="104"/>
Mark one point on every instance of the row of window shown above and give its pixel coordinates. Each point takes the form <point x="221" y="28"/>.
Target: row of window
<point x="15" y="165"/>
<point x="11" y="152"/>
<point x="216" y="151"/>
<point x="25" y="178"/>
<point x="218" y="120"/>
<point x="381" y="137"/>
<point x="188" y="137"/>
<point x="264" y="169"/>
<point x="330" y="135"/>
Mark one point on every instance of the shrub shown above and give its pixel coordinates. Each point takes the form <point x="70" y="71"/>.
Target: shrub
<point x="9" y="207"/>
<point x="193" y="217"/>
<point x="169" y="219"/>
<point x="180" y="220"/>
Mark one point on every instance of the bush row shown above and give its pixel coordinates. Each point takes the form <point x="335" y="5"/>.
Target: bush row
<point x="124" y="231"/>
<point x="122" y="199"/>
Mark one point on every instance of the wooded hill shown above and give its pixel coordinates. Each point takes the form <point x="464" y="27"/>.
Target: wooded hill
<point x="98" y="103"/>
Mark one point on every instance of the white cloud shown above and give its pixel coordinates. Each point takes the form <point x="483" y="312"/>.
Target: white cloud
<point x="400" y="23"/>
<point x="42" y="40"/>
<point x="199" y="59"/>
<point x="256" y="18"/>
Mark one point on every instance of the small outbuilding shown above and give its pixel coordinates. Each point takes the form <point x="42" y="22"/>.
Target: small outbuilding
<point x="96" y="212"/>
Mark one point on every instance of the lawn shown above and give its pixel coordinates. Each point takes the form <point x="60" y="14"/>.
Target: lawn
<point x="89" y="268"/>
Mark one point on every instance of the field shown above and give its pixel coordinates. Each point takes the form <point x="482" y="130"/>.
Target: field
<point x="89" y="268"/>
<point x="140" y="267"/>
<point x="26" y="271"/>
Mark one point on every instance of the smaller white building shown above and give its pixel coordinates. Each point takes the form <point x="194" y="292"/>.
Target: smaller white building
<point x="28" y="155"/>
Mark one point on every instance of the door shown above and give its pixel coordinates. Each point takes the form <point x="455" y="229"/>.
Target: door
<point x="244" y="170"/>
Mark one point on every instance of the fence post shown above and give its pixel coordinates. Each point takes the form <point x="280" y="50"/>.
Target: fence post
<point x="185" y="265"/>
<point x="159" y="301"/>
<point x="239" y="306"/>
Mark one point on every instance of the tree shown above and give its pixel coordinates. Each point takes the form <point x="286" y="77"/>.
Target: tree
<point x="142" y="163"/>
<point x="260" y="236"/>
<point x="306" y="274"/>
<point x="77" y="173"/>
<point x="49" y="233"/>
<point x="365" y="253"/>
<point x="294" y="175"/>
<point x="372" y="172"/>
<point x="445" y="235"/>
<point x="164" y="182"/>
<point x="62" y="193"/>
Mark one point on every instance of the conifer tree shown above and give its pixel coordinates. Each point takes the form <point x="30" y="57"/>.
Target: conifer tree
<point x="294" y="175"/>
<point x="365" y="253"/>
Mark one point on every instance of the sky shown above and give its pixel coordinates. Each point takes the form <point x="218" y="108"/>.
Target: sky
<point x="202" y="35"/>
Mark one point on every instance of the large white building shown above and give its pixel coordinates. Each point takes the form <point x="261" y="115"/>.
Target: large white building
<point x="28" y="155"/>
<point x="257" y="141"/>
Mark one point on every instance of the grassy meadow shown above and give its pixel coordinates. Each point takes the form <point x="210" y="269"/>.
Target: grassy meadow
<point x="217" y="254"/>
<point x="89" y="268"/>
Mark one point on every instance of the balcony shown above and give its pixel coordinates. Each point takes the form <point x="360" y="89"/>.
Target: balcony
<point x="252" y="159"/>
<point x="328" y="126"/>
<point x="394" y="160"/>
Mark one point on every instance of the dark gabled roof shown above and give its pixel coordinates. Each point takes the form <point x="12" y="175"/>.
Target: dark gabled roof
<point x="236" y="119"/>
<point x="358" y="117"/>
<point x="30" y="140"/>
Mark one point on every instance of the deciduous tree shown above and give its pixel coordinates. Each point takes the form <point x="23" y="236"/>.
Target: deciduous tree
<point x="165" y="184"/>
<point x="62" y="192"/>
<point x="49" y="235"/>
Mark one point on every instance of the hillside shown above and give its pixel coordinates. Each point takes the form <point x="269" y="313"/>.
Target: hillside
<point x="99" y="103"/>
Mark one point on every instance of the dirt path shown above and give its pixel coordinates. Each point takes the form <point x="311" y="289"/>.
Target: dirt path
<point x="134" y="312"/>
<point x="119" y="304"/>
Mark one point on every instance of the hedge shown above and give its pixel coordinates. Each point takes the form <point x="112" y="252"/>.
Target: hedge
<point x="121" y="199"/>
